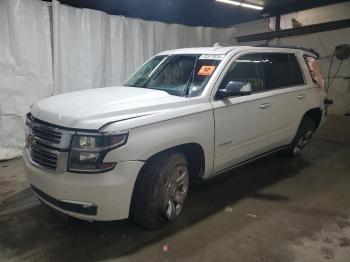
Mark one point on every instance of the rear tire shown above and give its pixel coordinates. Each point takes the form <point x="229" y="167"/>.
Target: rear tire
<point x="305" y="131"/>
<point x="160" y="190"/>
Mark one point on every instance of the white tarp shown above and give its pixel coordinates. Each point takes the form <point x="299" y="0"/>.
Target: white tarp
<point x="94" y="49"/>
<point x="90" y="49"/>
<point x="25" y="67"/>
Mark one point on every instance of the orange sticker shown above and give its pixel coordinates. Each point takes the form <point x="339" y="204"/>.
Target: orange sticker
<point x="206" y="70"/>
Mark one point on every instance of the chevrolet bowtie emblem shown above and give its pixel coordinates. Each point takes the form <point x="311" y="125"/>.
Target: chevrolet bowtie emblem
<point x="30" y="140"/>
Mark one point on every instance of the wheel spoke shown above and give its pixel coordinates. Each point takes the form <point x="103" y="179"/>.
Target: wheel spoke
<point x="309" y="134"/>
<point x="170" y="210"/>
<point x="182" y="178"/>
<point x="305" y="141"/>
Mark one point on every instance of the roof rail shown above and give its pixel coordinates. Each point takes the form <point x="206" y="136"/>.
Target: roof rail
<point x="291" y="47"/>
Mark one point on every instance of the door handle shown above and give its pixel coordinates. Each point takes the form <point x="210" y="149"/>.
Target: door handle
<point x="301" y="96"/>
<point x="264" y="105"/>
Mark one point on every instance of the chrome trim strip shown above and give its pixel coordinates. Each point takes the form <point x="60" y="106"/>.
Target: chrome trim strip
<point x="64" y="211"/>
<point x="84" y="204"/>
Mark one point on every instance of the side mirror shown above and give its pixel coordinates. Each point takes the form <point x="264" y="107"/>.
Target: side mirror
<point x="234" y="88"/>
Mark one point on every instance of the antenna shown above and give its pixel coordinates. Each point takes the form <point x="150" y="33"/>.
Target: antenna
<point x="216" y="46"/>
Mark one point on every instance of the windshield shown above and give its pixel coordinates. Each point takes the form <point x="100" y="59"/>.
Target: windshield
<point x="180" y="75"/>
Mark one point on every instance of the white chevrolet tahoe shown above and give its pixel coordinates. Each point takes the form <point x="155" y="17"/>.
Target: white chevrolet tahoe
<point x="132" y="150"/>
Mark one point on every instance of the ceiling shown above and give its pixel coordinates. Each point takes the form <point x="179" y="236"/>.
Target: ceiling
<point x="196" y="12"/>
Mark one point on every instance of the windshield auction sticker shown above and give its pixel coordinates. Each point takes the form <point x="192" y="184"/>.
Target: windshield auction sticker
<point x="206" y="70"/>
<point x="212" y="56"/>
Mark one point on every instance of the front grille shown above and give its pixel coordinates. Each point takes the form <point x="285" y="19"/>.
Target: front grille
<point x="46" y="134"/>
<point x="43" y="157"/>
<point x="47" y="145"/>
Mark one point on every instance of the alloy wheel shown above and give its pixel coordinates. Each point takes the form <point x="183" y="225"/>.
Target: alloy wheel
<point x="175" y="192"/>
<point x="302" y="142"/>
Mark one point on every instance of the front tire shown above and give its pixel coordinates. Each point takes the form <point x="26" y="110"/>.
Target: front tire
<point x="160" y="190"/>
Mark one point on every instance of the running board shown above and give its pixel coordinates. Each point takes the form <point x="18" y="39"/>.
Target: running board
<point x="246" y="161"/>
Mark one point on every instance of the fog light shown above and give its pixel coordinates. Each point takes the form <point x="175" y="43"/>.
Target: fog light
<point x="86" y="156"/>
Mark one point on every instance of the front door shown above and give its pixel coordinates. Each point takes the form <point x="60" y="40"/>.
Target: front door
<point x="242" y="124"/>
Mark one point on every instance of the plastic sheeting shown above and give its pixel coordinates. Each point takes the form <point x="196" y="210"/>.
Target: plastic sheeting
<point x="90" y="49"/>
<point x="315" y="70"/>
<point x="25" y="67"/>
<point x="94" y="49"/>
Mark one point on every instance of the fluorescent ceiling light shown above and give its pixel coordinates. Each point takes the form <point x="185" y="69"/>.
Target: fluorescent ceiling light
<point x="253" y="6"/>
<point x="257" y="7"/>
<point x="229" y="2"/>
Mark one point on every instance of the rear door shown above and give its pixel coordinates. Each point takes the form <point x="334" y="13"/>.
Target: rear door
<point x="285" y="81"/>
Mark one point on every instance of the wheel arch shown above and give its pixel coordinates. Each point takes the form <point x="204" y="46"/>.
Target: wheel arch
<point x="194" y="154"/>
<point x="315" y="114"/>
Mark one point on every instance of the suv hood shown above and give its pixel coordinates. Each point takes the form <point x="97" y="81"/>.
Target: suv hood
<point x="94" y="108"/>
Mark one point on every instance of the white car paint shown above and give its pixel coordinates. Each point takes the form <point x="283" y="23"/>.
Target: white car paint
<point x="91" y="109"/>
<point x="230" y="131"/>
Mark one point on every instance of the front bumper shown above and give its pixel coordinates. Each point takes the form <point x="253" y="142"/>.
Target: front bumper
<point x="103" y="196"/>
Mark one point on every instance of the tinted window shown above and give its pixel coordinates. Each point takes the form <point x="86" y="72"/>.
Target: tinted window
<point x="246" y="68"/>
<point x="282" y="70"/>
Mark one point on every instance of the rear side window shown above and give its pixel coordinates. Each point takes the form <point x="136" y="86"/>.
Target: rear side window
<point x="282" y="70"/>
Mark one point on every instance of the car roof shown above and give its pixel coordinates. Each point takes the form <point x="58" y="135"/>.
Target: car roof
<point x="223" y="50"/>
<point x="217" y="50"/>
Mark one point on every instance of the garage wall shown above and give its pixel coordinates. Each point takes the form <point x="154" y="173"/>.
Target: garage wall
<point x="324" y="43"/>
<point x="255" y="27"/>
<point x="323" y="14"/>
<point x="74" y="49"/>
<point x="25" y="67"/>
<point x="94" y="49"/>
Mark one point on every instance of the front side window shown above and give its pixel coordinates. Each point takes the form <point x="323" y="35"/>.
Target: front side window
<point x="247" y="69"/>
<point x="282" y="70"/>
<point x="180" y="75"/>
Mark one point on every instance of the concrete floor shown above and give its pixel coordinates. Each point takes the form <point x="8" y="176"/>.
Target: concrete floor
<point x="272" y="210"/>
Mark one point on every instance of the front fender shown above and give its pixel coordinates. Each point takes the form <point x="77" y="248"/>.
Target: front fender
<point x="148" y="140"/>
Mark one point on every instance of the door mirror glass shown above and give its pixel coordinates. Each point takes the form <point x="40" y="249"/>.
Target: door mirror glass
<point x="235" y="88"/>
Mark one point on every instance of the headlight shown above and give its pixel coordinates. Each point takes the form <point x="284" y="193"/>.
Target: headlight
<point x="88" y="151"/>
